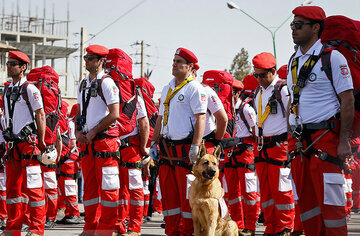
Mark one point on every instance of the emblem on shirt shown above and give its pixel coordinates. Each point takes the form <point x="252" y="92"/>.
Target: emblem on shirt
<point x="114" y="90"/>
<point x="344" y="70"/>
<point x="36" y="96"/>
<point x="312" y="77"/>
<point x="203" y="97"/>
<point x="214" y="99"/>
<point x="181" y="97"/>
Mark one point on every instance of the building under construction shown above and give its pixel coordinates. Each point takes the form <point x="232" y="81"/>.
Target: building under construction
<point x="44" y="40"/>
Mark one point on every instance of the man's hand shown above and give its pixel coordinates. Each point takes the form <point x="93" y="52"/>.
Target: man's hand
<point x="90" y="136"/>
<point x="80" y="137"/>
<point x="194" y="150"/>
<point x="42" y="145"/>
<point x="344" y="149"/>
<point x="144" y="151"/>
<point x="146" y="169"/>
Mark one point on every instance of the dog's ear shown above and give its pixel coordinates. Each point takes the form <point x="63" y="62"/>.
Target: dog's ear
<point x="217" y="152"/>
<point x="202" y="151"/>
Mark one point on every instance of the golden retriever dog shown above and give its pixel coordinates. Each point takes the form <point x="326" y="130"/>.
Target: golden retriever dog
<point x="209" y="211"/>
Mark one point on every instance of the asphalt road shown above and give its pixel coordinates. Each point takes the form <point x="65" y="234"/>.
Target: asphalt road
<point x="153" y="227"/>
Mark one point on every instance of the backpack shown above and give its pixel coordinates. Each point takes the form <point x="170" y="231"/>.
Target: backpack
<point x="64" y="129"/>
<point x="275" y="97"/>
<point x="343" y="34"/>
<point x="221" y="82"/>
<point x="46" y="80"/>
<point x="119" y="67"/>
<point x="240" y="111"/>
<point x="146" y="91"/>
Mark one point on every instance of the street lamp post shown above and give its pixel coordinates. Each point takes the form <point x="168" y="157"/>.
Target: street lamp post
<point x="232" y="5"/>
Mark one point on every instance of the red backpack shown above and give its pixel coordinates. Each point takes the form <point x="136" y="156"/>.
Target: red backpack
<point x="221" y="82"/>
<point x="46" y="80"/>
<point x="343" y="34"/>
<point x="146" y="90"/>
<point x="119" y="67"/>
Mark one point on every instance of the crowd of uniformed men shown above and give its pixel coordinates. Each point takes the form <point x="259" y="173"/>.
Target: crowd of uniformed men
<point x="294" y="126"/>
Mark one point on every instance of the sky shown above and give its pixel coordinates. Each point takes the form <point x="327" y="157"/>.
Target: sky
<point x="209" y="28"/>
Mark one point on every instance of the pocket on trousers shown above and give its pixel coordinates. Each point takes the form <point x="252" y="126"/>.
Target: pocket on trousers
<point x="348" y="182"/>
<point x="334" y="194"/>
<point x="70" y="187"/>
<point x="110" y="178"/>
<point x="251" y="182"/>
<point x="33" y="177"/>
<point x="50" y="180"/>
<point x="189" y="179"/>
<point x="2" y="181"/>
<point x="284" y="181"/>
<point x="135" y="180"/>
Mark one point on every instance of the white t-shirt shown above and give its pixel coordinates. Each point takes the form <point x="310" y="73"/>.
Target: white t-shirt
<point x="191" y="99"/>
<point x="214" y="105"/>
<point x="97" y="109"/>
<point x="318" y="101"/>
<point x="250" y="116"/>
<point x="22" y="116"/>
<point x="274" y="124"/>
<point x="140" y="113"/>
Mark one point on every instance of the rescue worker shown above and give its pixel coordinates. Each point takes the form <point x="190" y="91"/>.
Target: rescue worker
<point x="319" y="141"/>
<point x="271" y="101"/>
<point x="24" y="135"/>
<point x="68" y="168"/>
<point x="182" y="117"/>
<point x="240" y="167"/>
<point x="98" y="150"/>
<point x="3" y="213"/>
<point x="132" y="151"/>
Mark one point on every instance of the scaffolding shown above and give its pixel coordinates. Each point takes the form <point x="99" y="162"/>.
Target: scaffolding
<point x="42" y="39"/>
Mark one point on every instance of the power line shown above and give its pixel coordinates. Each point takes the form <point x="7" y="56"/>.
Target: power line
<point x="123" y="15"/>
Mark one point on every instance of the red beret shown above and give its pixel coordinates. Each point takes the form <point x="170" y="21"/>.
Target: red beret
<point x="264" y="60"/>
<point x="19" y="56"/>
<point x="310" y="12"/>
<point x="187" y="54"/>
<point x="196" y="66"/>
<point x="282" y="72"/>
<point x="73" y="111"/>
<point x="237" y="84"/>
<point x="250" y="83"/>
<point x="97" y="50"/>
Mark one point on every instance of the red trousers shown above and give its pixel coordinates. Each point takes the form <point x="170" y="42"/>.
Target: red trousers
<point x="25" y="190"/>
<point x="174" y="198"/>
<point x="319" y="185"/>
<point x="2" y="195"/>
<point x="157" y="206"/>
<point x="146" y="195"/>
<point x="68" y="187"/>
<point x="101" y="186"/>
<point x="356" y="188"/>
<point x="277" y="200"/>
<point x="243" y="195"/>
<point x="131" y="196"/>
<point x="51" y="193"/>
<point x="348" y="193"/>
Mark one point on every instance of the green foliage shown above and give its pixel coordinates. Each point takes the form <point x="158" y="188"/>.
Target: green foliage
<point x="241" y="66"/>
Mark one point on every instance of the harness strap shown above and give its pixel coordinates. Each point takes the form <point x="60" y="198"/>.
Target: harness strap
<point x="73" y="176"/>
<point x="130" y="165"/>
<point x="273" y="162"/>
<point x="51" y="166"/>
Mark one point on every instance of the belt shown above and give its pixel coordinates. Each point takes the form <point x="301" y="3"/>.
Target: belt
<point x="129" y="165"/>
<point x="51" y="166"/>
<point x="170" y="142"/>
<point x="73" y="176"/>
<point x="273" y="162"/>
<point x="277" y="138"/>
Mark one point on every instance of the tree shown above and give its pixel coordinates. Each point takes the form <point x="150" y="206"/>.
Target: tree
<point x="240" y="67"/>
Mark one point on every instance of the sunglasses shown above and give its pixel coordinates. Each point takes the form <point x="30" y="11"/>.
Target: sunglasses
<point x="12" y="63"/>
<point x="298" y="24"/>
<point x="90" y="57"/>
<point x="261" y="75"/>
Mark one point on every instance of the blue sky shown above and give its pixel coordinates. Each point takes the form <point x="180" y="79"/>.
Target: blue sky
<point x="209" y="28"/>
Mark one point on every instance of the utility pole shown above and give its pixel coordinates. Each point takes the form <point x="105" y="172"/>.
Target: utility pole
<point x="142" y="55"/>
<point x="83" y="45"/>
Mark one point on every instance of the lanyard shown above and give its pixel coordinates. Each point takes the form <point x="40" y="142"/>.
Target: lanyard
<point x="170" y="94"/>
<point x="299" y="82"/>
<point x="262" y="116"/>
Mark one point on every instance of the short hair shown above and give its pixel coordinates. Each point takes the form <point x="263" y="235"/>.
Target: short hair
<point x="321" y="23"/>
